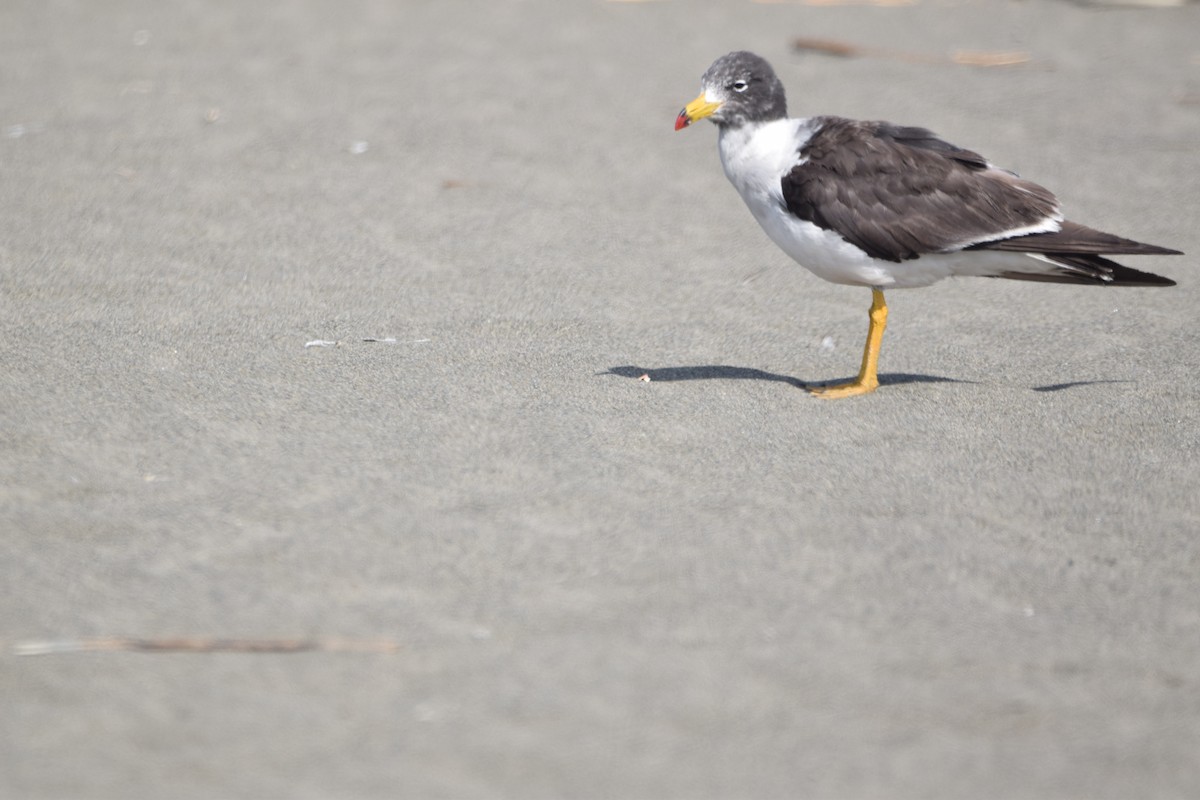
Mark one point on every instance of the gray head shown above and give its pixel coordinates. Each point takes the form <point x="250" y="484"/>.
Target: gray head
<point x="738" y="88"/>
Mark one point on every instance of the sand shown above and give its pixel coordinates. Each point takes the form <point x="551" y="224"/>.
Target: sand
<point x="325" y="321"/>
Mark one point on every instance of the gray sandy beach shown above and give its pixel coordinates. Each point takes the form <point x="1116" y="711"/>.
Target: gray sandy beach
<point x="331" y="323"/>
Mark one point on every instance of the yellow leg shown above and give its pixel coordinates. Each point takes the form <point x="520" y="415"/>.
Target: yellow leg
<point x="867" y="381"/>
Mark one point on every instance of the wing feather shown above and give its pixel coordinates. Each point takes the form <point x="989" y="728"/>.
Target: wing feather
<point x="1075" y="238"/>
<point x="900" y="192"/>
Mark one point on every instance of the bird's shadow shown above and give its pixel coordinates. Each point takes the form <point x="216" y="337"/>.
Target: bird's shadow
<point x="1058" y="387"/>
<point x="708" y="372"/>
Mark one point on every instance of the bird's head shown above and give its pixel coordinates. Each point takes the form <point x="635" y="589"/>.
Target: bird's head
<point x="738" y="88"/>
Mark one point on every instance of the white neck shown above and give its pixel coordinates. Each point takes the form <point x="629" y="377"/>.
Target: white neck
<point x="756" y="154"/>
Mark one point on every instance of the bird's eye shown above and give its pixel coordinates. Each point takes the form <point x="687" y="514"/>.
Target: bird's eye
<point x="740" y="86"/>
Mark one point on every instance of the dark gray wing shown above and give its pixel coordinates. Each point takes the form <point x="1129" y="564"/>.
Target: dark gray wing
<point x="1079" y="251"/>
<point x="1075" y="238"/>
<point x="899" y="193"/>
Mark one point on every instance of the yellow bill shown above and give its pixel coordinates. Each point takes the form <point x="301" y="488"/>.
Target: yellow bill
<point x="697" y="109"/>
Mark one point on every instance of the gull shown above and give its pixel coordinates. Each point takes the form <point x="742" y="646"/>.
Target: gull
<point x="889" y="206"/>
